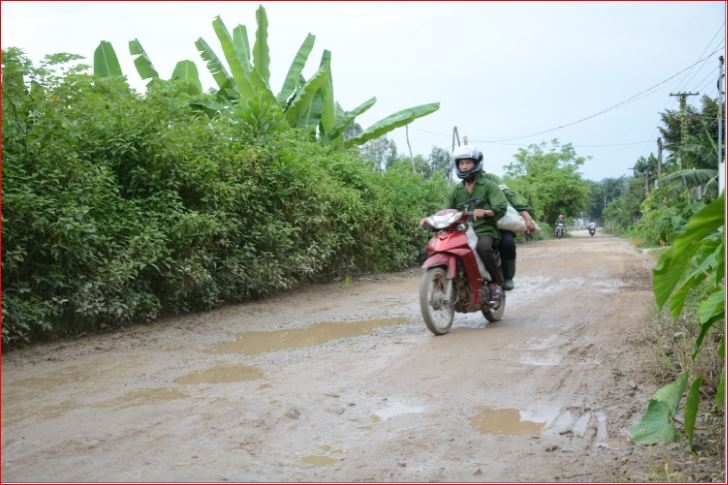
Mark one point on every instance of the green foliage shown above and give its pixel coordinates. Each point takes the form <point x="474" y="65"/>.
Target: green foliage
<point x="118" y="208"/>
<point x="306" y="104"/>
<point x="625" y="208"/>
<point x="549" y="181"/>
<point x="694" y="263"/>
<point x="106" y="64"/>
<point x="700" y="128"/>
<point x="657" y="424"/>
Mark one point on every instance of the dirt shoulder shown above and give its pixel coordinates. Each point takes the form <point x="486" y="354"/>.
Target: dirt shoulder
<point x="343" y="383"/>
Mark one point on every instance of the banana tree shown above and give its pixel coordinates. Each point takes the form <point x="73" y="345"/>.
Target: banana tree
<point x="106" y="64"/>
<point x="305" y="103"/>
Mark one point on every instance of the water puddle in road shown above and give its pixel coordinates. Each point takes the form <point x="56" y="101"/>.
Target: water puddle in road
<point x="323" y="460"/>
<point x="506" y="422"/>
<point x="16" y="410"/>
<point x="140" y="397"/>
<point x="261" y="342"/>
<point x="544" y="361"/>
<point x="395" y="409"/>
<point x="221" y="375"/>
<point x="318" y="460"/>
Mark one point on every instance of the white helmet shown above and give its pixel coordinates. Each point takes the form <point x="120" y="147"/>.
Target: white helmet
<point x="464" y="152"/>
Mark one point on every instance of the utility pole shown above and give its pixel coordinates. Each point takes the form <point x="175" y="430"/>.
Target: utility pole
<point x="455" y="136"/>
<point x="721" y="161"/>
<point x="659" y="162"/>
<point x="683" y="125"/>
<point x="406" y="134"/>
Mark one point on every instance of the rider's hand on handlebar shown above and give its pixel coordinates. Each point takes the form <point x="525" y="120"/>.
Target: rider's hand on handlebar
<point x="481" y="213"/>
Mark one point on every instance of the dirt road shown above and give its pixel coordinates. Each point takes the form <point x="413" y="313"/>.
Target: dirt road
<point x="343" y="382"/>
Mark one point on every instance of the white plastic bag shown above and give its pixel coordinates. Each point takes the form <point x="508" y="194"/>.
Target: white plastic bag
<point x="512" y="221"/>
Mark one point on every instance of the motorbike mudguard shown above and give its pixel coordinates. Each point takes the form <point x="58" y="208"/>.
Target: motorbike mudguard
<point x="442" y="259"/>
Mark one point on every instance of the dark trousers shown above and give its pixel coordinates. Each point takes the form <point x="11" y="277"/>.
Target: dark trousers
<point x="485" y="251"/>
<point x="507" y="246"/>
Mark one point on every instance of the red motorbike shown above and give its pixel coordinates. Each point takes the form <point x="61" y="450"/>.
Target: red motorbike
<point x="455" y="279"/>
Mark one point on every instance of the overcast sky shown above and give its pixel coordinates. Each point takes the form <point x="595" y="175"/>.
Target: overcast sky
<point x="506" y="74"/>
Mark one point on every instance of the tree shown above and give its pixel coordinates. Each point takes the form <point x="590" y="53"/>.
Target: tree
<point x="549" y="180"/>
<point x="624" y="199"/>
<point x="382" y="152"/>
<point x="701" y="127"/>
<point x="306" y="103"/>
<point x="647" y="169"/>
<point x="441" y="161"/>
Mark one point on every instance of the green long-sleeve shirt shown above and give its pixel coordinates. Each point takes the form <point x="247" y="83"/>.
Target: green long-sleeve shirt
<point x="491" y="197"/>
<point x="518" y="202"/>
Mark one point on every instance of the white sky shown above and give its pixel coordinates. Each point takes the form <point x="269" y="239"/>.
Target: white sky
<point x="501" y="70"/>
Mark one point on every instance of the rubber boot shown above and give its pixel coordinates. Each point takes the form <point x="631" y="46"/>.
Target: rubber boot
<point x="509" y="271"/>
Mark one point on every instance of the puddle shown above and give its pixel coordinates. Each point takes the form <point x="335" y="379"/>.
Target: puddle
<point x="545" y="361"/>
<point x="260" y="342"/>
<point x="505" y="422"/>
<point x="540" y="343"/>
<point x="221" y="375"/>
<point x="323" y="460"/>
<point x="15" y="411"/>
<point x="609" y="286"/>
<point x="140" y="397"/>
<point x="318" y="460"/>
<point x="395" y="409"/>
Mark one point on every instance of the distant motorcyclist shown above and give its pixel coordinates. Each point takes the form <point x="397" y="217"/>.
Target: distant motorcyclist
<point x="592" y="226"/>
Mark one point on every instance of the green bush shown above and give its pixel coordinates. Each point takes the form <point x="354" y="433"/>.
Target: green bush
<point x="120" y="208"/>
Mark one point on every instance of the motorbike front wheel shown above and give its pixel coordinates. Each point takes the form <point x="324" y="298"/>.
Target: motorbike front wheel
<point x="437" y="300"/>
<point x="495" y="314"/>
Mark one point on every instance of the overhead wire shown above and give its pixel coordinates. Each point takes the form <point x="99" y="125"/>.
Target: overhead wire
<point x="685" y="80"/>
<point x="610" y="108"/>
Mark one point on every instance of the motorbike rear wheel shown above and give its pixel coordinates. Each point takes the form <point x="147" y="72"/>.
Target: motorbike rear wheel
<point x="495" y="314"/>
<point x="436" y="300"/>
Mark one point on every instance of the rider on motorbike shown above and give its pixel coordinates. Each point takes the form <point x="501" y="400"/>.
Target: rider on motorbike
<point x="507" y="244"/>
<point x="468" y="162"/>
<point x="592" y="227"/>
<point x="560" y="225"/>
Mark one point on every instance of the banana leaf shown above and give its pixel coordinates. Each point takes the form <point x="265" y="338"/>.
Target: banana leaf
<point x="242" y="84"/>
<point x="345" y="119"/>
<point x="690" y="177"/>
<point x="393" y="121"/>
<point x="187" y="71"/>
<point x="298" y="112"/>
<point x="242" y="47"/>
<point x="106" y="64"/>
<point x="142" y="62"/>
<point x="216" y="68"/>
<point x="261" y="52"/>
<point x="328" y="110"/>
<point x="294" y="78"/>
<point x="673" y="264"/>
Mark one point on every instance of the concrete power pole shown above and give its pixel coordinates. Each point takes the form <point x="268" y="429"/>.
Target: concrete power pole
<point x="659" y="162"/>
<point x="721" y="145"/>
<point x="683" y="125"/>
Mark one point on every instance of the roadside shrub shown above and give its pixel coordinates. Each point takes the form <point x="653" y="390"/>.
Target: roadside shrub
<point x="121" y="208"/>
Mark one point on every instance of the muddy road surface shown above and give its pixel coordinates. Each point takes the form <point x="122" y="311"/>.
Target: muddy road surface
<point x="343" y="382"/>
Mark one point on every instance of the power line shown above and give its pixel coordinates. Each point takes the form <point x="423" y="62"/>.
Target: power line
<point x="621" y="103"/>
<point x="684" y="81"/>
